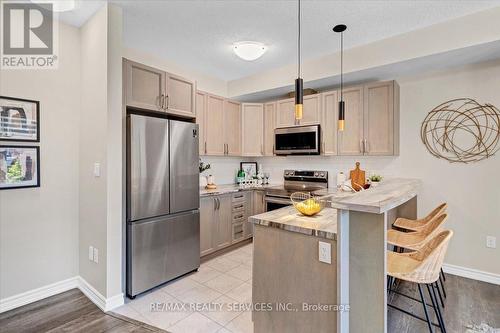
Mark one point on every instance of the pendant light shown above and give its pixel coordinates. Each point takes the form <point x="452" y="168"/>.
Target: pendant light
<point x="299" y="83"/>
<point x="340" y="28"/>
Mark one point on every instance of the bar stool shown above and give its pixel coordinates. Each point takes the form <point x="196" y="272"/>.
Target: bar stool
<point x="414" y="240"/>
<point x="421" y="267"/>
<point x="416" y="225"/>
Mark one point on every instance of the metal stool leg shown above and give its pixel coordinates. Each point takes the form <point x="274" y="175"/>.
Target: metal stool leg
<point x="429" y="323"/>
<point x="439" y="292"/>
<point x="441" y="276"/>
<point x="435" y="305"/>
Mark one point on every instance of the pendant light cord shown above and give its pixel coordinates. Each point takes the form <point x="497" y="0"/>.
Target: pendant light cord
<point x="342" y="66"/>
<point x="299" y="42"/>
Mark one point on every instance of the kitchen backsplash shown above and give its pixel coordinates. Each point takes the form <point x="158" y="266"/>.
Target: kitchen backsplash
<point x="224" y="168"/>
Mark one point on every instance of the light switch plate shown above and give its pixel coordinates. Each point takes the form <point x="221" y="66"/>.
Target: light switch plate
<point x="97" y="169"/>
<point x="325" y="252"/>
<point x="91" y="253"/>
<point x="491" y="242"/>
<point x="96" y="255"/>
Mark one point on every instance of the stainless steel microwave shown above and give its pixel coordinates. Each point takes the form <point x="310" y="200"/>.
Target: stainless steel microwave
<point x="297" y="140"/>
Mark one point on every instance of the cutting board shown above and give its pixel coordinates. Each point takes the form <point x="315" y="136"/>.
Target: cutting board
<point x="357" y="177"/>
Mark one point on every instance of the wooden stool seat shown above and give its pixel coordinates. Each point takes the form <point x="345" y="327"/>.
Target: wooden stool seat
<point x="416" y="239"/>
<point x="423" y="268"/>
<point x="416" y="225"/>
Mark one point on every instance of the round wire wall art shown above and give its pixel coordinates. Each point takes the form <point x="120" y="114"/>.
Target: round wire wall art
<point x="462" y="130"/>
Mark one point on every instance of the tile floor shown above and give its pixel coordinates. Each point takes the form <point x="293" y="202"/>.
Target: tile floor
<point x="225" y="281"/>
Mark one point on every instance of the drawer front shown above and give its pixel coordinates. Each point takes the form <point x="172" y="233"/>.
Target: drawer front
<point x="238" y="197"/>
<point x="239" y="207"/>
<point x="239" y="217"/>
<point x="237" y="232"/>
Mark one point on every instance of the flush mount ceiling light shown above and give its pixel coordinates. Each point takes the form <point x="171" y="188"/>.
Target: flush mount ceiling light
<point x="57" y="5"/>
<point x="249" y="50"/>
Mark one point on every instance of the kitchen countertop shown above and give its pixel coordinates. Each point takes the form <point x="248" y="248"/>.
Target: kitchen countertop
<point x="386" y="195"/>
<point x="323" y="224"/>
<point x="231" y="188"/>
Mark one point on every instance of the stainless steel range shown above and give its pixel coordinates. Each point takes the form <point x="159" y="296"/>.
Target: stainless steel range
<point x="295" y="181"/>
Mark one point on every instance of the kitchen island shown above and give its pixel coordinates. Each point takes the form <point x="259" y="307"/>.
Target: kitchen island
<point x="306" y="293"/>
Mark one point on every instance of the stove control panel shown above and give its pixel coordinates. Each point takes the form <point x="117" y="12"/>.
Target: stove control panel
<point x="305" y="174"/>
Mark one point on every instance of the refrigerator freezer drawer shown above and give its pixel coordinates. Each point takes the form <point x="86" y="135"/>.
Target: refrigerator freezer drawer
<point x="161" y="249"/>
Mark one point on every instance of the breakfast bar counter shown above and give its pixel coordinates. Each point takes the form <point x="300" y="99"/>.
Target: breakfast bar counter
<point x="290" y="267"/>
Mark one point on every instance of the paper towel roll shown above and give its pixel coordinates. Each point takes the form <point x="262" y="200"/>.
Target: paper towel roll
<point x="340" y="178"/>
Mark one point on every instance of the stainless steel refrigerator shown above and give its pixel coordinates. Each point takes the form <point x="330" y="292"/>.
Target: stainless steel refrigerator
<point x="163" y="228"/>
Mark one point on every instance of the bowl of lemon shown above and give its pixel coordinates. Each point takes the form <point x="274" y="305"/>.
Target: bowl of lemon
<point x="306" y="204"/>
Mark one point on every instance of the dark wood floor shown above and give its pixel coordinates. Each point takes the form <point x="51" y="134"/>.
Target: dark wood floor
<point x="469" y="302"/>
<point x="70" y="311"/>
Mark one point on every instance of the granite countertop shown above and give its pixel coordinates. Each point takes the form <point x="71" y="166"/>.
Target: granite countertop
<point x="232" y="188"/>
<point x="323" y="224"/>
<point x="386" y="195"/>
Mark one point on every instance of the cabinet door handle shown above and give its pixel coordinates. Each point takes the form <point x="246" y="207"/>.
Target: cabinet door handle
<point x="238" y="217"/>
<point x="367" y="149"/>
<point x="262" y="149"/>
<point x="362" y="146"/>
<point x="239" y="206"/>
<point x="218" y="203"/>
<point x="167" y="101"/>
<point x="160" y="101"/>
<point x="215" y="203"/>
<point x="205" y="147"/>
<point x="227" y="148"/>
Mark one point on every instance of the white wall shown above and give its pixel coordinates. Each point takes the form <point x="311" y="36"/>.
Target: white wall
<point x="93" y="138"/>
<point x="39" y="226"/>
<point x="101" y="141"/>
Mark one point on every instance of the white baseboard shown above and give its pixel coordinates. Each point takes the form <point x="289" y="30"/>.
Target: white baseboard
<point x="105" y="304"/>
<point x="471" y="273"/>
<point x="37" y="294"/>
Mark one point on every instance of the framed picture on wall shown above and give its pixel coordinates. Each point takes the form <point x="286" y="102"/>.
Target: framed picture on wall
<point x="19" y="119"/>
<point x="250" y="168"/>
<point x="19" y="167"/>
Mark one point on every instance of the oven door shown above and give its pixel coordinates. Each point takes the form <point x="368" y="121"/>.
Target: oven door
<point x="273" y="203"/>
<point x="297" y="140"/>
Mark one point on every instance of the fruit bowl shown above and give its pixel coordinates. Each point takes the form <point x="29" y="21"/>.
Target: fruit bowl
<point x="306" y="204"/>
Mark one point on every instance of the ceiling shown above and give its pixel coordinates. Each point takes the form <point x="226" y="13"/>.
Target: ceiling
<point x="199" y="34"/>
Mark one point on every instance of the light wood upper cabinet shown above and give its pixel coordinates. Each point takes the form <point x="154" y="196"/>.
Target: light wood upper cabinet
<point x="201" y="105"/>
<point x="214" y="124"/>
<point x="252" y="138"/>
<point x="269" y="126"/>
<point x="285" y="113"/>
<point x="379" y="115"/>
<point x="180" y="95"/>
<point x="232" y="128"/>
<point x="144" y="86"/>
<point x="351" y="138"/>
<point x="311" y="113"/>
<point x="330" y="104"/>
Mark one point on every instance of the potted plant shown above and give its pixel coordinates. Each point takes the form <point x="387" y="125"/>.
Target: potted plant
<point x="375" y="179"/>
<point x="203" y="167"/>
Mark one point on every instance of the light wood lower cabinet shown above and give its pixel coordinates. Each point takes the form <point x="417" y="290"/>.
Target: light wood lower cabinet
<point x="259" y="204"/>
<point x="269" y="126"/>
<point x="215" y="223"/>
<point x="252" y="124"/>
